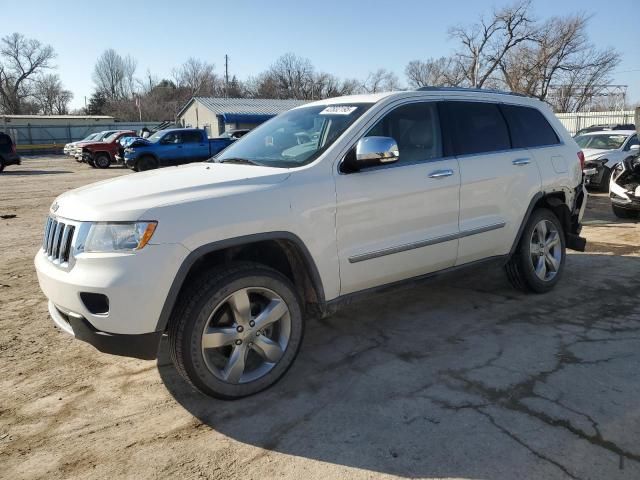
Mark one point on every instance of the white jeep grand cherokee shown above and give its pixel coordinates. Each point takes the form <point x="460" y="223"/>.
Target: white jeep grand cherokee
<point x="321" y="204"/>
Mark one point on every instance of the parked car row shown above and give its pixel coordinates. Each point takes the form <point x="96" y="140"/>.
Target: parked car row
<point x="174" y="146"/>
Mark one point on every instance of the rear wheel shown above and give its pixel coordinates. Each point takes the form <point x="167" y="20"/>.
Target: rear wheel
<point x="624" y="213"/>
<point x="146" y="163"/>
<point x="538" y="262"/>
<point x="236" y="331"/>
<point x="102" y="161"/>
<point x="1" y="165"/>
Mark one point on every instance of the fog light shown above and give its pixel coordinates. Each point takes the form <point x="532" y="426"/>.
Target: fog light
<point x="96" y="303"/>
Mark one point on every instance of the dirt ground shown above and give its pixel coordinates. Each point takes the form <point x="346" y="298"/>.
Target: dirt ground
<point x="461" y="378"/>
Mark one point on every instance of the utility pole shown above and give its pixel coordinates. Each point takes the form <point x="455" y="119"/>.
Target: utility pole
<point x="226" y="75"/>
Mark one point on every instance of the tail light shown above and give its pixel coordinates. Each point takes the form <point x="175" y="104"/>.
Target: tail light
<point x="581" y="158"/>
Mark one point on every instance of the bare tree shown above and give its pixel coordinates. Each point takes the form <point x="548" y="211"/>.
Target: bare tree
<point x="21" y="61"/>
<point x="293" y="77"/>
<point x="114" y="75"/>
<point x="327" y="85"/>
<point x="559" y="64"/>
<point x="485" y="44"/>
<point x="50" y="96"/>
<point x="382" y="80"/>
<point x="440" y="72"/>
<point x="198" y="77"/>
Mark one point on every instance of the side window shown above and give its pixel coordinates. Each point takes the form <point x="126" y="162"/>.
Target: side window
<point x="477" y="127"/>
<point x="191" y="137"/>
<point x="528" y="127"/>
<point x="415" y="128"/>
<point x="171" y="138"/>
<point x="632" y="141"/>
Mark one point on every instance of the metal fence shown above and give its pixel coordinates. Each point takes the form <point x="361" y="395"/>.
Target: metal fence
<point x="52" y="138"/>
<point x="576" y="121"/>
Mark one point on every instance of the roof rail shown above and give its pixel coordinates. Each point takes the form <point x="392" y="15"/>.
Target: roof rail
<point x="464" y="89"/>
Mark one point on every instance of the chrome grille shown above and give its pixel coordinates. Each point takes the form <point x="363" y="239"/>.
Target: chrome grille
<point x="57" y="241"/>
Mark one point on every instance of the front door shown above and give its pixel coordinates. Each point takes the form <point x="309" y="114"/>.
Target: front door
<point x="400" y="220"/>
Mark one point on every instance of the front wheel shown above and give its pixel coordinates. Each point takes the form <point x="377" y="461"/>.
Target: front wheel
<point x="146" y="163"/>
<point x="237" y="330"/>
<point x="604" y="182"/>
<point x="624" y="213"/>
<point x="102" y="161"/>
<point x="538" y="262"/>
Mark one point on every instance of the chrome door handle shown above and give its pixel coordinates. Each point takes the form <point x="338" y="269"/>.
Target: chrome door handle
<point x="522" y="161"/>
<point x="441" y="173"/>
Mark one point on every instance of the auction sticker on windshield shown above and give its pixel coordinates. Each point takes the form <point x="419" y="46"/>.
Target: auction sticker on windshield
<point x="338" y="110"/>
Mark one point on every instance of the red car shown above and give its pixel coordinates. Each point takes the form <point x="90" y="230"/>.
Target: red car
<point x="101" y="154"/>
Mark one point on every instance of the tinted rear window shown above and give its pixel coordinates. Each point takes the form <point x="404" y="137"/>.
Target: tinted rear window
<point x="191" y="137"/>
<point x="477" y="127"/>
<point x="528" y="127"/>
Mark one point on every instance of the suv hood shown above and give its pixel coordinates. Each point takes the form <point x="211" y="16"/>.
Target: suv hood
<point x="128" y="197"/>
<point x="594" y="153"/>
<point x="140" y="142"/>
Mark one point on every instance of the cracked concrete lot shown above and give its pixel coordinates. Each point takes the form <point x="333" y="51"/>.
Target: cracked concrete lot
<point x="457" y="378"/>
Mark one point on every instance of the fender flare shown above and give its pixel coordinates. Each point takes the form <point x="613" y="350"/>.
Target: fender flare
<point x="198" y="253"/>
<point x="532" y="205"/>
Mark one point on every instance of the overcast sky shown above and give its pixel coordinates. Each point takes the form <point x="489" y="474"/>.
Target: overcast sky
<point x="346" y="38"/>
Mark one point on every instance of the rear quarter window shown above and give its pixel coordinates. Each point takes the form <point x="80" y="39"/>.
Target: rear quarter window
<point x="529" y="127"/>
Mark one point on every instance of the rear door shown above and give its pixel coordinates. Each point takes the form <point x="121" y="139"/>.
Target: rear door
<point x="194" y="148"/>
<point x="399" y="220"/>
<point x="496" y="181"/>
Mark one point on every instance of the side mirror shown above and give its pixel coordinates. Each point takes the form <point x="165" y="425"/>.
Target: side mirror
<point x="371" y="151"/>
<point x="634" y="148"/>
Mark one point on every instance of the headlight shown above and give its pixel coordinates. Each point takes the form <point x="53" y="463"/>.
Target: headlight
<point x="118" y="236"/>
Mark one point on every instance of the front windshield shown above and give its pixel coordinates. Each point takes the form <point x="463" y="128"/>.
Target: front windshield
<point x="602" y="141"/>
<point x="111" y="137"/>
<point x="90" y="137"/>
<point x="156" y="136"/>
<point x="294" y="138"/>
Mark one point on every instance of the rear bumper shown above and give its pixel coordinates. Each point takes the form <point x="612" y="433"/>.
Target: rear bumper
<point x="143" y="346"/>
<point x="573" y="239"/>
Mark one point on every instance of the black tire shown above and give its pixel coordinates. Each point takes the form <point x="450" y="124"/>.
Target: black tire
<point x="207" y="294"/>
<point x="603" y="186"/>
<point x="520" y="268"/>
<point x="624" y="213"/>
<point x="102" y="161"/>
<point x="1" y="165"/>
<point x="146" y="162"/>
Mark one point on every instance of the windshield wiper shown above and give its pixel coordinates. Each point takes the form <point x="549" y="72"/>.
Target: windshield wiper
<point x="238" y="160"/>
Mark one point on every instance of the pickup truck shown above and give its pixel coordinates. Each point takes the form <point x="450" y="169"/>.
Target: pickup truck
<point x="175" y="146"/>
<point x="102" y="153"/>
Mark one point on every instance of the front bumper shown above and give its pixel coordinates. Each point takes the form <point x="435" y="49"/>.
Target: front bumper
<point x="136" y="286"/>
<point x="143" y="346"/>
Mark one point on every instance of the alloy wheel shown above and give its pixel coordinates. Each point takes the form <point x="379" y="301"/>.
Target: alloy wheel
<point x="246" y="335"/>
<point x="545" y="250"/>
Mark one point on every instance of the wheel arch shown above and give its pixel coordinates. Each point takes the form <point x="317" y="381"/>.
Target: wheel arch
<point x="554" y="201"/>
<point x="283" y="251"/>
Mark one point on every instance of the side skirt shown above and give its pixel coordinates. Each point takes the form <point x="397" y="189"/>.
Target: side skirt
<point x="334" y="305"/>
